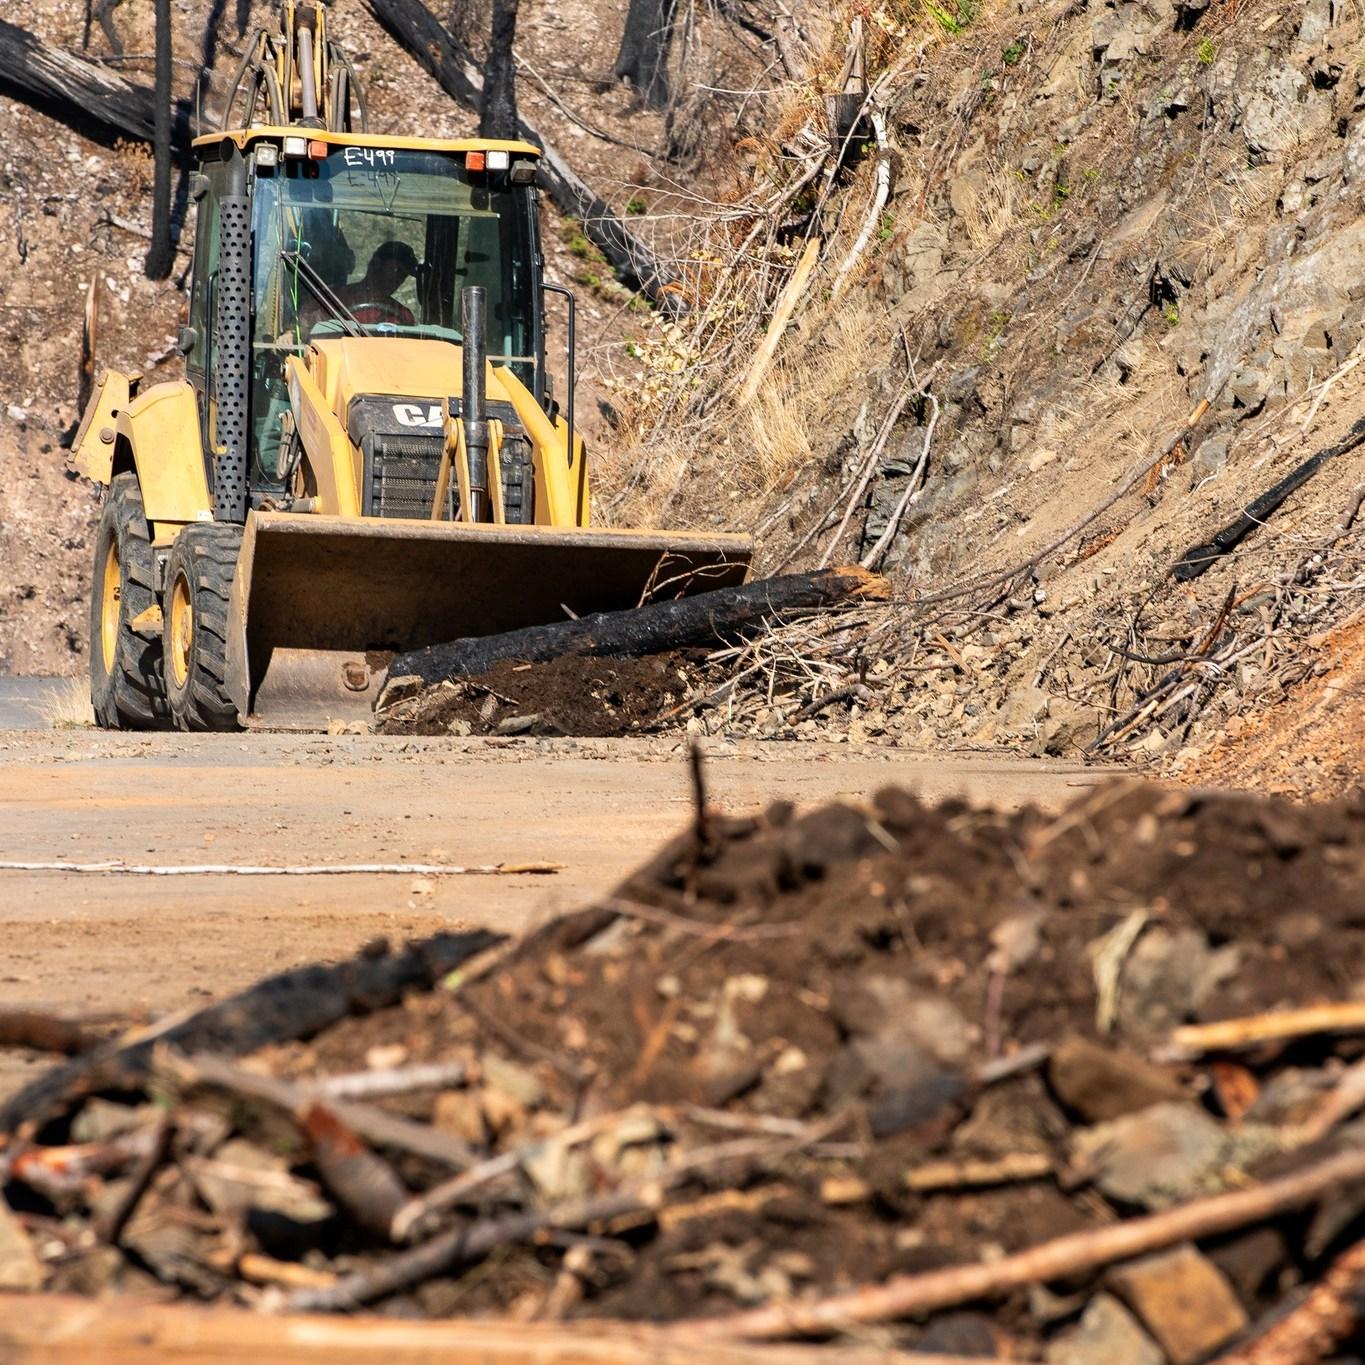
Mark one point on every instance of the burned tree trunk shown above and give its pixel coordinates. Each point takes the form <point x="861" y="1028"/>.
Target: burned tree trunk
<point x="701" y="620"/>
<point x="79" y="92"/>
<point x="498" y="112"/>
<point x="414" y="26"/>
<point x="161" y="253"/>
<point x="645" y="42"/>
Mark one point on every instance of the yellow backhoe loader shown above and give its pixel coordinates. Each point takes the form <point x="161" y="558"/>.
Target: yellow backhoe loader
<point x="365" y="454"/>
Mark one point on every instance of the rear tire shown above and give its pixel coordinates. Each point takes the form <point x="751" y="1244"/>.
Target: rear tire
<point x="127" y="687"/>
<point x="198" y="584"/>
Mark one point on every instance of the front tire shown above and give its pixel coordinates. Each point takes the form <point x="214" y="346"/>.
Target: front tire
<point x="198" y="584"/>
<point x="127" y="687"/>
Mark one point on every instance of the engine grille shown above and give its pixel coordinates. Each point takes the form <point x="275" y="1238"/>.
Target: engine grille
<point x="400" y="442"/>
<point x="401" y="476"/>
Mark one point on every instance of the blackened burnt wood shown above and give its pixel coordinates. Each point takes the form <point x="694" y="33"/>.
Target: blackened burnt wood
<point x="705" y="619"/>
<point x="161" y="254"/>
<point x="414" y="27"/>
<point x="78" y="91"/>
<point x="295" y="1004"/>
<point x="498" y="109"/>
<point x="1198" y="559"/>
<point x="643" y="56"/>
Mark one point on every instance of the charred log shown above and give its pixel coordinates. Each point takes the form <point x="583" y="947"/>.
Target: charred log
<point x="295" y="1004"/>
<point x="84" y="94"/>
<point x="705" y="619"/>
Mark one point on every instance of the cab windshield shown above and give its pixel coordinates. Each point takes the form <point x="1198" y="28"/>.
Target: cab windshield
<point x="393" y="237"/>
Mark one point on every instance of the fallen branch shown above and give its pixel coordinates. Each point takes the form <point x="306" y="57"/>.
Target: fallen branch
<point x="912" y="489"/>
<point x="1076" y="1254"/>
<point x="71" y="1329"/>
<point x="299" y="1102"/>
<point x="956" y="1175"/>
<point x="1199" y="559"/>
<point x="880" y="194"/>
<point x="777" y="324"/>
<point x="399" y="1080"/>
<point x="1329" y="1314"/>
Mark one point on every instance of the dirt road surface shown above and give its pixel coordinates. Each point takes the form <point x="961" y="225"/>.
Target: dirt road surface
<point x="136" y="946"/>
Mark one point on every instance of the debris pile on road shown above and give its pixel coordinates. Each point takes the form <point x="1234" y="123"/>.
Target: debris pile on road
<point x="1072" y="1087"/>
<point x="612" y="673"/>
<point x="578" y="695"/>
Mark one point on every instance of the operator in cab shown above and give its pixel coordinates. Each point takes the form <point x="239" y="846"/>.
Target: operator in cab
<point x="371" y="298"/>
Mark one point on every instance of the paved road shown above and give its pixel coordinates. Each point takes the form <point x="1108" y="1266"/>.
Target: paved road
<point x="134" y="944"/>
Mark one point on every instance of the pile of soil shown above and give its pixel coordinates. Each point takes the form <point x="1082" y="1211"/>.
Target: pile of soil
<point x="571" y="695"/>
<point x="835" y="1047"/>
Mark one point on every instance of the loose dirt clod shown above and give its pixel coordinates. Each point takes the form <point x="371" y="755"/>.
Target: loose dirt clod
<point x="793" y="1054"/>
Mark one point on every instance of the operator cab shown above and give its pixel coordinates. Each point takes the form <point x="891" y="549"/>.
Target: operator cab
<point x="353" y="238"/>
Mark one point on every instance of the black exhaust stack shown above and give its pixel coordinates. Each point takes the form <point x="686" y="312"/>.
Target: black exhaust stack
<point x="474" y="396"/>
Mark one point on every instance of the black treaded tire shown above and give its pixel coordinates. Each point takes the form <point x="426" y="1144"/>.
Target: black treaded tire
<point x="199" y="576"/>
<point x="518" y="482"/>
<point x="127" y="689"/>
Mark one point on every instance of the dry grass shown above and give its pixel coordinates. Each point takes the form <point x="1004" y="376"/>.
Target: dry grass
<point x="990" y="207"/>
<point x="67" y="705"/>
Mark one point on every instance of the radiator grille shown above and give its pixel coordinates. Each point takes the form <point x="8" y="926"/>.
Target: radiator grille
<point x="402" y="472"/>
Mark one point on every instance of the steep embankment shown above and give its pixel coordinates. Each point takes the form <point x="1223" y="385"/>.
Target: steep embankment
<point x="1102" y="217"/>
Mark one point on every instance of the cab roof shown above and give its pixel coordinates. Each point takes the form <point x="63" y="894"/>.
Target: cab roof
<point x="244" y="137"/>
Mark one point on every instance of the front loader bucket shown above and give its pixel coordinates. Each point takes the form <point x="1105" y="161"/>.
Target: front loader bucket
<point x="321" y="604"/>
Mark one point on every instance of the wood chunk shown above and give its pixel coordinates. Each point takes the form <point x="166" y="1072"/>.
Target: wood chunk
<point x="1100" y="1084"/>
<point x="1183" y="1300"/>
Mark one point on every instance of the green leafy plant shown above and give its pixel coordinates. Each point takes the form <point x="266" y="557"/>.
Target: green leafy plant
<point x="1014" y="53"/>
<point x="1206" y="51"/>
<point x="636" y="206"/>
<point x="1172" y="315"/>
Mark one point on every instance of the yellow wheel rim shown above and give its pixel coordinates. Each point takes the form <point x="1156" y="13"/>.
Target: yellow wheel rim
<point x="182" y="630"/>
<point x="111" y="593"/>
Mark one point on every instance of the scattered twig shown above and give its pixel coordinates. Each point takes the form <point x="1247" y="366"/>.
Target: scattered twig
<point x="110" y="1225"/>
<point x="1227" y="1035"/>
<point x="903" y="1296"/>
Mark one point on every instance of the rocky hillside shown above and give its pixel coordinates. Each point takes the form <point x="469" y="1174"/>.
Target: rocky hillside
<point x="1084" y="292"/>
<point x="1107" y="223"/>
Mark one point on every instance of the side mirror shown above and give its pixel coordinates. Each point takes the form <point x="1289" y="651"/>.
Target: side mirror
<point x="187" y="340"/>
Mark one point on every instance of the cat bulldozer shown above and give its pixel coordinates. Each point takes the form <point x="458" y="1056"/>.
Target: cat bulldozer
<point x="365" y="454"/>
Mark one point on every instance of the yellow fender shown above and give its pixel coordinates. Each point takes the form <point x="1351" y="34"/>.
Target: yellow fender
<point x="331" y="457"/>
<point x="157" y="432"/>
<point x="561" y="489"/>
